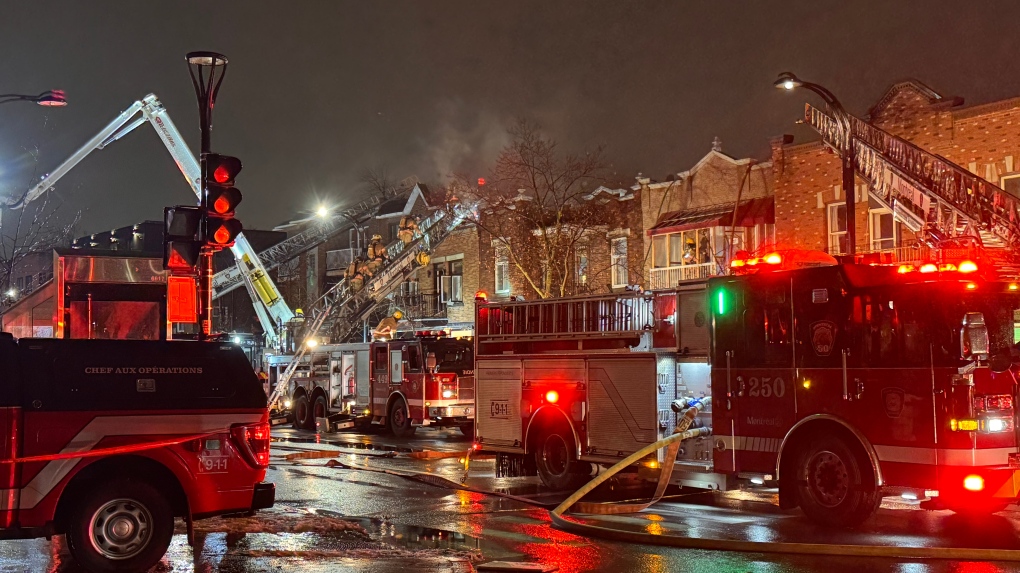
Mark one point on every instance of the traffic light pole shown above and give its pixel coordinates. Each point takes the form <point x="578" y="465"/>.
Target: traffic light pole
<point x="203" y="67"/>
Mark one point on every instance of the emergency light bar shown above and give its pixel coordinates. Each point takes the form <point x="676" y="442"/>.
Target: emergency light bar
<point x="744" y="263"/>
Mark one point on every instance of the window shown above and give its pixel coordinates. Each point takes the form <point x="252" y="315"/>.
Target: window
<point x="618" y="261"/>
<point x="660" y="254"/>
<point x="312" y="273"/>
<point x="1011" y="184"/>
<point x="450" y="281"/>
<point x="502" y="270"/>
<point x="288" y="270"/>
<point x="837" y="228"/>
<point x="413" y="358"/>
<point x="581" y="264"/>
<point x="882" y="229"/>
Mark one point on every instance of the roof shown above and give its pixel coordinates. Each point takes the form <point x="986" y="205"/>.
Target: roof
<point x="403" y="203"/>
<point x="750" y="212"/>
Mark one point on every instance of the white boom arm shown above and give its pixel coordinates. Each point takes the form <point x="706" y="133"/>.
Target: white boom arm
<point x="270" y="307"/>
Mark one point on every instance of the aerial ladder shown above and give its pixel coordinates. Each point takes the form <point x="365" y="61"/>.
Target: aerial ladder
<point x="341" y="309"/>
<point x="270" y="307"/>
<point x="929" y="194"/>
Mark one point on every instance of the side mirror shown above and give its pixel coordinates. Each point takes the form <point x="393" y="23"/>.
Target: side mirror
<point x="430" y="361"/>
<point x="974" y="337"/>
<point x="1000" y="361"/>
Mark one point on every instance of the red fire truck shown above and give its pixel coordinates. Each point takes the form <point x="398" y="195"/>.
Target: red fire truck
<point x="106" y="441"/>
<point x="423" y="380"/>
<point x="838" y="383"/>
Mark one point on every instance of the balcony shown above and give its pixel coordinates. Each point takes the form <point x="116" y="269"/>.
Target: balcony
<point x="337" y="261"/>
<point x="668" y="277"/>
<point x="420" y="306"/>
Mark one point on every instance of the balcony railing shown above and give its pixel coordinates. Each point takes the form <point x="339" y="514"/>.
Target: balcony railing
<point x="419" y="306"/>
<point x="667" y="277"/>
<point x="337" y="261"/>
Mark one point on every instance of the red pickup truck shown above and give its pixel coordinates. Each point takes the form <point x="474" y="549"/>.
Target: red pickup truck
<point x="107" y="441"/>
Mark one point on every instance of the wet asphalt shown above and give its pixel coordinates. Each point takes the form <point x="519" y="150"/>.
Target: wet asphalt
<point x="333" y="514"/>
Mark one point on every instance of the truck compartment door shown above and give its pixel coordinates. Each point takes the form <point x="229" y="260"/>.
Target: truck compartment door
<point x="623" y="400"/>
<point x="498" y="422"/>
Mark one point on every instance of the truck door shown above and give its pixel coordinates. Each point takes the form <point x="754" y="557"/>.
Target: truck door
<point x="380" y="378"/>
<point x="10" y="422"/>
<point x="752" y="371"/>
<point x="822" y="338"/>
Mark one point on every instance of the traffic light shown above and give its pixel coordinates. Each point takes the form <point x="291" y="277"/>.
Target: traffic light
<point x="221" y="200"/>
<point x="181" y="246"/>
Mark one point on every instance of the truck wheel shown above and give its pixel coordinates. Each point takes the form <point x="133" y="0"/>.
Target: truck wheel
<point x="120" y="525"/>
<point x="555" y="461"/>
<point x="468" y="429"/>
<point x="319" y="410"/>
<point x="835" y="486"/>
<point x="400" y="422"/>
<point x="301" y="411"/>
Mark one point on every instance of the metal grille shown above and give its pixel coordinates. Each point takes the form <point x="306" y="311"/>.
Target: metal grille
<point x="568" y="317"/>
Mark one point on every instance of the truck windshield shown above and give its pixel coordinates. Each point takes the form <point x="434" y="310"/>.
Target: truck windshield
<point x="451" y="355"/>
<point x="902" y="327"/>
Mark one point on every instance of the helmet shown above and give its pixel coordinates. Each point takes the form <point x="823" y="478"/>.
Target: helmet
<point x="398" y="315"/>
<point x="377" y="237"/>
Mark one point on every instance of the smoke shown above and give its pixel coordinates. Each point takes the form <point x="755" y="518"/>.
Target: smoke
<point x="465" y="140"/>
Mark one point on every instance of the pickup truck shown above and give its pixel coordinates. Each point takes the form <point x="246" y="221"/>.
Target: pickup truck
<point x="107" y="441"/>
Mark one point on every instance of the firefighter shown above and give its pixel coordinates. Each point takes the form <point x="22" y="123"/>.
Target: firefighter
<point x="376" y="253"/>
<point x="387" y="327"/>
<point x="408" y="229"/>
<point x="264" y="378"/>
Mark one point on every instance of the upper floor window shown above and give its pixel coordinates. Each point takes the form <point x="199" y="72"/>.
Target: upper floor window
<point x="618" y="261"/>
<point x="837" y="228"/>
<point x="502" y="265"/>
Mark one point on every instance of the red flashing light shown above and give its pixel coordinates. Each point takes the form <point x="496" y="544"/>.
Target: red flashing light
<point x="904" y="269"/>
<point x="221" y="174"/>
<point x="482" y="296"/>
<point x="973" y="483"/>
<point x="552" y="396"/>
<point x="481" y="181"/>
<point x="971" y="286"/>
<point x="773" y="258"/>
<point x="967" y="267"/>
<point x="928" y="268"/>
<point x="736" y="263"/>
<point x="947" y="268"/>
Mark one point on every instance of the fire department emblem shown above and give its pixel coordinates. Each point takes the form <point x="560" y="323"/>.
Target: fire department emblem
<point x="414" y="386"/>
<point x="823" y="337"/>
<point x="893" y="398"/>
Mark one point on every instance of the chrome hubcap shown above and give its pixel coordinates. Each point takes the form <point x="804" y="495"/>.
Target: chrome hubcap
<point x="828" y="478"/>
<point x="121" y="529"/>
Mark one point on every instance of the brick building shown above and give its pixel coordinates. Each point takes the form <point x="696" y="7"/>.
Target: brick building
<point x="985" y="139"/>
<point x="693" y="223"/>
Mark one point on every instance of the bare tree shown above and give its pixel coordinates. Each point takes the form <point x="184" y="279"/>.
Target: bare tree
<point x="377" y="179"/>
<point x="36" y="228"/>
<point x="537" y="207"/>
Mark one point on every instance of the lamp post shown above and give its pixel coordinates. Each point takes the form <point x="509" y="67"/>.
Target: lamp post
<point x="788" y="81"/>
<point x="51" y="98"/>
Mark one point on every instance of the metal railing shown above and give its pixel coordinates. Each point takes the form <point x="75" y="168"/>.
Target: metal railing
<point x="899" y="171"/>
<point x="567" y="317"/>
<point x="338" y="260"/>
<point x="668" y="277"/>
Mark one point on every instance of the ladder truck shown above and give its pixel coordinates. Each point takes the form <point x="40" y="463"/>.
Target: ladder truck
<point x="389" y="393"/>
<point x="269" y="305"/>
<point x="838" y="383"/>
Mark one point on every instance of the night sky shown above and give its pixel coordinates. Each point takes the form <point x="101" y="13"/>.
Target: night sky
<point x="318" y="91"/>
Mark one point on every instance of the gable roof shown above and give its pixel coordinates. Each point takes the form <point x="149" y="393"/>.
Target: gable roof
<point x="402" y="204"/>
<point x="911" y="85"/>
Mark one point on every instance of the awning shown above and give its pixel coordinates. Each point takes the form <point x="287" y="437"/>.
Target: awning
<point x="750" y="213"/>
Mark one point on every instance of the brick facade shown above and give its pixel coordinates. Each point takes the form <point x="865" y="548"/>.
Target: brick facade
<point x="984" y="139"/>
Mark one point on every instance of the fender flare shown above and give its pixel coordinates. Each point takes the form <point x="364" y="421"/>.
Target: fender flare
<point x="573" y="430"/>
<point x="392" y="397"/>
<point x="865" y="443"/>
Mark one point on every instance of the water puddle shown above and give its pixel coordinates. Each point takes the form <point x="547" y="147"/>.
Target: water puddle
<point x="410" y="537"/>
<point x="346" y="445"/>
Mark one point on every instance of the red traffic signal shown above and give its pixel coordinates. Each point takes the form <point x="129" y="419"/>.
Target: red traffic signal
<point x="221" y="200"/>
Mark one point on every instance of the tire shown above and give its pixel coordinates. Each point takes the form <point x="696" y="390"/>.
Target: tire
<point x="555" y="462"/>
<point x="468" y="429"/>
<point x="120" y="525"/>
<point x="320" y="409"/>
<point x="400" y="422"/>
<point x="835" y="486"/>
<point x="301" y="411"/>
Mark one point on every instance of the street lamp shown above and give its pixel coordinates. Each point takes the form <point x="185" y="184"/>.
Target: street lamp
<point x="51" y="98"/>
<point x="322" y="211"/>
<point x="788" y="81"/>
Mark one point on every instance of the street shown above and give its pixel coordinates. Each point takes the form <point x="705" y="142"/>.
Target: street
<point x="338" y="519"/>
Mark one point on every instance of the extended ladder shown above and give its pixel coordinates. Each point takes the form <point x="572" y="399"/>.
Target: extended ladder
<point x="340" y="309"/>
<point x="927" y="192"/>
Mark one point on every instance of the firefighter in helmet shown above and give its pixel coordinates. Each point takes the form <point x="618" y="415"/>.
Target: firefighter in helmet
<point x="408" y="229"/>
<point x="387" y="327"/>
<point x="376" y="253"/>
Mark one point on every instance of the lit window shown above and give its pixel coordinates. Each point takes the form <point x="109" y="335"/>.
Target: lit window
<point x="502" y="270"/>
<point x="618" y="250"/>
<point x="837" y="229"/>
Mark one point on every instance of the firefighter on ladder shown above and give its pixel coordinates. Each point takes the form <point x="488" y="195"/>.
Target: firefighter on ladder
<point x="354" y="274"/>
<point x="376" y="254"/>
<point x="387" y="327"/>
<point x="408" y="229"/>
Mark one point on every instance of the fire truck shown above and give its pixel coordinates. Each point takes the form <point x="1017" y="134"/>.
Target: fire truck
<point x="838" y="383"/>
<point x="402" y="384"/>
<point x="106" y="441"/>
